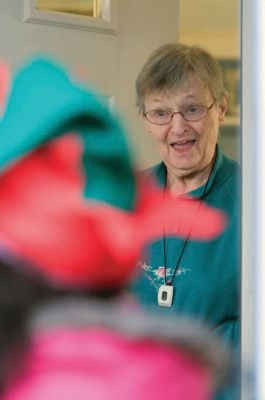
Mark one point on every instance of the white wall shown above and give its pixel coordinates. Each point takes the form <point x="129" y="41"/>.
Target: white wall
<point x="20" y="40"/>
<point x="111" y="62"/>
<point x="143" y="26"/>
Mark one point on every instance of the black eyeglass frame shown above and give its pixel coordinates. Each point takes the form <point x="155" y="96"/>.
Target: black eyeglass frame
<point x="171" y="113"/>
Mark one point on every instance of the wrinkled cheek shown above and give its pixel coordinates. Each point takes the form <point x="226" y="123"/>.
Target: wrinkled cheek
<point x="209" y="147"/>
<point x="160" y="139"/>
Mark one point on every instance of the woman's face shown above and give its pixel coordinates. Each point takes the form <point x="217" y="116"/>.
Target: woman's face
<point x="186" y="147"/>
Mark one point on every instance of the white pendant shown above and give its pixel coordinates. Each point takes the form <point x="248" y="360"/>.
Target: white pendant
<point x="165" y="296"/>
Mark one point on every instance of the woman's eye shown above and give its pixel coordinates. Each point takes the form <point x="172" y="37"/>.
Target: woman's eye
<point x="192" y="109"/>
<point x="160" y="113"/>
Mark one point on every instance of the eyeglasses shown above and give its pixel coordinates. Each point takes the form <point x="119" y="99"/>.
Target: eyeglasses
<point x="190" y="113"/>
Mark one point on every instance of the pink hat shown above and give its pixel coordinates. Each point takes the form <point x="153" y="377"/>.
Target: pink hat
<point x="92" y="350"/>
<point x="102" y="365"/>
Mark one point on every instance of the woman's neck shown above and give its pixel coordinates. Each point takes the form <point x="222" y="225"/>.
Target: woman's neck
<point x="179" y="185"/>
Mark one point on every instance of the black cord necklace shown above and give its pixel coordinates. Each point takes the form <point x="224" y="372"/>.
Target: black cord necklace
<point x="166" y="291"/>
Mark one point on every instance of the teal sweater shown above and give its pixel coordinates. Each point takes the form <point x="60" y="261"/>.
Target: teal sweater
<point x="207" y="282"/>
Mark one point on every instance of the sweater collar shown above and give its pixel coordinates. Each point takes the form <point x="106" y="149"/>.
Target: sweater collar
<point x="216" y="176"/>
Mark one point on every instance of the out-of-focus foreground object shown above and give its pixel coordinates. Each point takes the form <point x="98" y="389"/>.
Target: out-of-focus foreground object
<point x="82" y="350"/>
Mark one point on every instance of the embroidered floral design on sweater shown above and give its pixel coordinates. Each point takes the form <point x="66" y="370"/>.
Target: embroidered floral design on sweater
<point x="156" y="275"/>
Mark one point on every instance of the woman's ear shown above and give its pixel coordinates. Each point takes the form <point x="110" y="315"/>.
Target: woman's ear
<point x="4" y="84"/>
<point x="223" y="109"/>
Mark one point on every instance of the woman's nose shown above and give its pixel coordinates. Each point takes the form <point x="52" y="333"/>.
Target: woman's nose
<point x="178" y="124"/>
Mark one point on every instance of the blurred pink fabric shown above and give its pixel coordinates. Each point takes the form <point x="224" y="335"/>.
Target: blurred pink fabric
<point x="69" y="238"/>
<point x="99" y="364"/>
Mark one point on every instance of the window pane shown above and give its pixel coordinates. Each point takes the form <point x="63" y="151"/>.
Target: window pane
<point x="89" y="8"/>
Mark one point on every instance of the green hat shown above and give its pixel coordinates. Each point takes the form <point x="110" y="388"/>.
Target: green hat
<point x="45" y="103"/>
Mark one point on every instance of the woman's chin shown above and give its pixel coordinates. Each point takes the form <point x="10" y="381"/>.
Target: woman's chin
<point x="185" y="166"/>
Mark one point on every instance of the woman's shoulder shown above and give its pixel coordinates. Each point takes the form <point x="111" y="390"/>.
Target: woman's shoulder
<point x="228" y="177"/>
<point x="231" y="169"/>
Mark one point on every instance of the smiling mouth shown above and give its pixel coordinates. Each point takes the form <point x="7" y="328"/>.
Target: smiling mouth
<point x="183" y="146"/>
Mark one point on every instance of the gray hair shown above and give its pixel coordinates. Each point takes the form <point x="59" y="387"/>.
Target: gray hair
<point x="170" y="65"/>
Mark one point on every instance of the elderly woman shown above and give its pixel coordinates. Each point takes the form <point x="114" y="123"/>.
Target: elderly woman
<point x="182" y="100"/>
